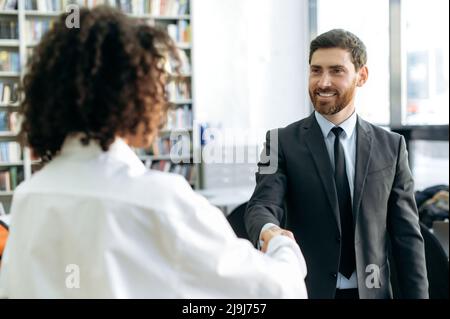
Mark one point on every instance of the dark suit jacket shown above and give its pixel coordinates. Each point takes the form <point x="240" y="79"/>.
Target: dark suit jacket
<point x="302" y="193"/>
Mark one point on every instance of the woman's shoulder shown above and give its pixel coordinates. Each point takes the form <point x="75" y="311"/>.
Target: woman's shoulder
<point x="163" y="180"/>
<point x="162" y="186"/>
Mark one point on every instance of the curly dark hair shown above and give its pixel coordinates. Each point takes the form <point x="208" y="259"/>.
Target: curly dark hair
<point x="103" y="79"/>
<point x="339" y="38"/>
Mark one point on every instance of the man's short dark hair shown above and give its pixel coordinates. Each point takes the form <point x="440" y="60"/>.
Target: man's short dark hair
<point x="338" y="38"/>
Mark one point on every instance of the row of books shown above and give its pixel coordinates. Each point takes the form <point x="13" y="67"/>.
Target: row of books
<point x="186" y="170"/>
<point x="9" y="61"/>
<point x="179" y="90"/>
<point x="180" y="32"/>
<point x="10" y="152"/>
<point x="10" y="178"/>
<point x="9" y="28"/>
<point x="9" y="122"/>
<point x="140" y="7"/>
<point x="8" y="4"/>
<point x="137" y="7"/>
<point x="179" y="146"/>
<point x="45" y="5"/>
<point x="8" y="92"/>
<point x="179" y="118"/>
<point x="36" y="28"/>
<point x="167" y="7"/>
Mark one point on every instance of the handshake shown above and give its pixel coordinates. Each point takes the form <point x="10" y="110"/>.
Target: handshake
<point x="268" y="234"/>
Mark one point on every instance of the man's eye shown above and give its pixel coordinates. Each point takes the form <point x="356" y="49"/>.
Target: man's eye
<point x="337" y="71"/>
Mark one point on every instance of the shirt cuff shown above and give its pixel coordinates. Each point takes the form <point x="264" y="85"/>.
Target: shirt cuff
<point x="265" y="227"/>
<point x="280" y="242"/>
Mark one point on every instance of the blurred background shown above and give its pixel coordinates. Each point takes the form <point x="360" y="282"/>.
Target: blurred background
<point x="245" y="71"/>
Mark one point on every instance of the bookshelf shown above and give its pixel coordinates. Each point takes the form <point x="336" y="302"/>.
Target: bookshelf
<point x="23" y="22"/>
<point x="12" y="164"/>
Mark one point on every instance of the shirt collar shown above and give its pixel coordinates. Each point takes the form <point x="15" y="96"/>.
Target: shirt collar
<point x="119" y="150"/>
<point x="325" y="126"/>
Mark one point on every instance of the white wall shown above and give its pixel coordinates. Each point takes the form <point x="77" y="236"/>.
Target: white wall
<point x="250" y="62"/>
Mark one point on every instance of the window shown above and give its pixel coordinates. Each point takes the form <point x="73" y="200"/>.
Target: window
<point x="418" y="61"/>
<point x="427" y="56"/>
<point x="369" y="22"/>
<point x="429" y="163"/>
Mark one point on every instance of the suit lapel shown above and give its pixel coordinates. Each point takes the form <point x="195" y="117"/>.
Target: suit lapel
<point x="316" y="145"/>
<point x="363" y="152"/>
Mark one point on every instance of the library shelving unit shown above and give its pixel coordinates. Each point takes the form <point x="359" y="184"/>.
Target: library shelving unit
<point x="12" y="162"/>
<point x="22" y="24"/>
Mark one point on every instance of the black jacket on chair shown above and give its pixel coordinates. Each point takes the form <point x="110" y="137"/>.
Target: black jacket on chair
<point x="383" y="207"/>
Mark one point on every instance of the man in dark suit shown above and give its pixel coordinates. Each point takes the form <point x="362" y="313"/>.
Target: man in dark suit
<point x="342" y="186"/>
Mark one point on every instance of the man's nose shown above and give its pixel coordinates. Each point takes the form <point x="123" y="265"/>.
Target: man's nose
<point x="324" y="80"/>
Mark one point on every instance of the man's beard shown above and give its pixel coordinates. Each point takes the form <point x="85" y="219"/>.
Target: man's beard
<point x="341" y="101"/>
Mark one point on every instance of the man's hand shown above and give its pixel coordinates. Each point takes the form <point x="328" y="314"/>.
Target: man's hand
<point x="268" y="234"/>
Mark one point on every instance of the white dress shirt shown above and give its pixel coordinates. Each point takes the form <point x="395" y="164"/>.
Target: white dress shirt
<point x="94" y="224"/>
<point x="348" y="141"/>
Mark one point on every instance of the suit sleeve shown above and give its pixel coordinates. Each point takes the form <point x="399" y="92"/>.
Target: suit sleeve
<point x="267" y="202"/>
<point x="404" y="230"/>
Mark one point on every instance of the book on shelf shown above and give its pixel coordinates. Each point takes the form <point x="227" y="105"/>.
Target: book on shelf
<point x="161" y="147"/>
<point x="36" y="28"/>
<point x="8" y="4"/>
<point x="169" y="7"/>
<point x="180" y="32"/>
<point x="5" y="181"/>
<point x="10" y="177"/>
<point x="179" y="118"/>
<point x="9" y="61"/>
<point x="10" y="152"/>
<point x="9" y="28"/>
<point x="8" y="92"/>
<point x="9" y="122"/>
<point x="135" y="7"/>
<point x="178" y="146"/>
<point x="43" y="5"/>
<point x="59" y="5"/>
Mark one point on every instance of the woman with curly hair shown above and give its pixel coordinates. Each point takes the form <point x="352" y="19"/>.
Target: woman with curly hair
<point x="94" y="222"/>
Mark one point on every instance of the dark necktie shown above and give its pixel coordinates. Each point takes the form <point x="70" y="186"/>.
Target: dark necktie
<point x="347" y="263"/>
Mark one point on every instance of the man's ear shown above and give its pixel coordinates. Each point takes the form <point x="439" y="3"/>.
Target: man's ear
<point x="363" y="75"/>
